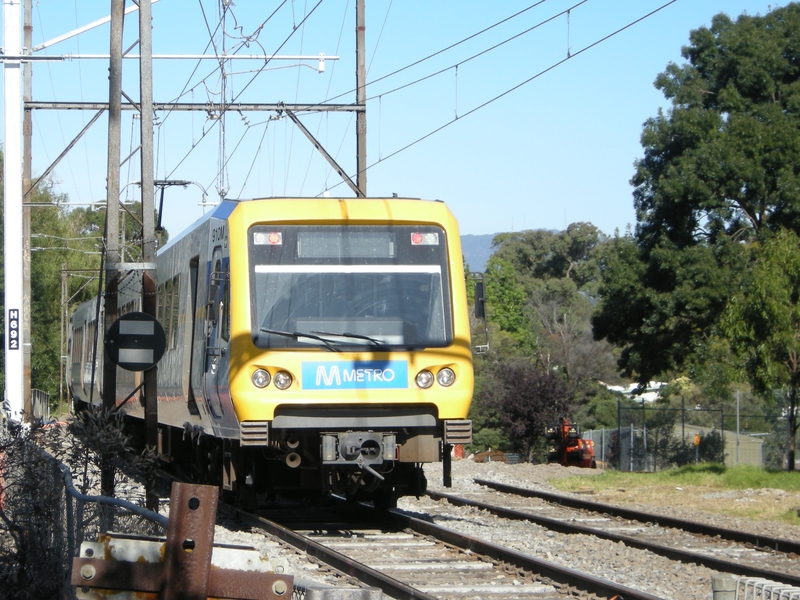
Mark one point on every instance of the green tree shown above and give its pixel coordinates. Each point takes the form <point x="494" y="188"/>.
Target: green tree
<point x="660" y="305"/>
<point x="506" y="300"/>
<point x="59" y="242"/>
<point x="720" y="168"/>
<point x="762" y="322"/>
<point x="540" y="254"/>
<point x="485" y="414"/>
<point x="521" y="399"/>
<point x="599" y="409"/>
<point x="725" y="160"/>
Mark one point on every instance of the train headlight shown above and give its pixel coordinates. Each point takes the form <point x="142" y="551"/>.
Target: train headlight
<point x="260" y="378"/>
<point x="282" y="380"/>
<point x="446" y="377"/>
<point x="424" y="379"/>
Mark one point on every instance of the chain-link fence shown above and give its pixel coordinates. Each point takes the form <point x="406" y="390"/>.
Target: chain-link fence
<point x="44" y="518"/>
<point x="650" y="438"/>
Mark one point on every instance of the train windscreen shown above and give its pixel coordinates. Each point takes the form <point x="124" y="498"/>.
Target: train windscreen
<point x="385" y="287"/>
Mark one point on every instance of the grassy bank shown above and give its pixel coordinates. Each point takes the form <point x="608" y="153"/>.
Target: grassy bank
<point x="740" y="491"/>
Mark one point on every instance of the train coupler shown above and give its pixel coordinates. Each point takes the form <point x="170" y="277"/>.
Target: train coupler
<point x="358" y="447"/>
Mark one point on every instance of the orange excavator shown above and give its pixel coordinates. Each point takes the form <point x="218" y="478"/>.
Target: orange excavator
<point x="568" y="447"/>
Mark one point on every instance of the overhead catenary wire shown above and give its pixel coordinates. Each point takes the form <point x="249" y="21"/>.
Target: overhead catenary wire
<point x="255" y="157"/>
<point x="330" y="169"/>
<point x="374" y="53"/>
<point x="228" y="105"/>
<point x="58" y="116"/>
<point x="80" y="87"/>
<point x="186" y="89"/>
<point x="296" y="96"/>
<point x="521" y="84"/>
<point x="438" y="52"/>
<point x="456" y="65"/>
<point x="313" y="151"/>
<point x="482" y="52"/>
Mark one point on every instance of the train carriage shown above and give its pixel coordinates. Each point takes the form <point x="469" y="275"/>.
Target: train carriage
<point x="311" y="344"/>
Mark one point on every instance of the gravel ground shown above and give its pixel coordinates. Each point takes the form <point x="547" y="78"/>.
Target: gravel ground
<point x="608" y="560"/>
<point x="682" y="504"/>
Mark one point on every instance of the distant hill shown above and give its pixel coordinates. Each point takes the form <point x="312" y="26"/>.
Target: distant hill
<point x="477" y="249"/>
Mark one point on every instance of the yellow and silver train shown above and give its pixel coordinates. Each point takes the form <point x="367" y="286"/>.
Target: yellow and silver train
<point x="311" y="344"/>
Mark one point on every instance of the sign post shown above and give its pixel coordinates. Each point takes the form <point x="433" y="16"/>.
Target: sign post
<point x="136" y="342"/>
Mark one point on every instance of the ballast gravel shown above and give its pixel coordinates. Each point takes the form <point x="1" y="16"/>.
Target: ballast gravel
<point x="605" y="559"/>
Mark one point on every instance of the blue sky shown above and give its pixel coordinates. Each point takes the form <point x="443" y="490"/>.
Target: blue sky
<point x="556" y="150"/>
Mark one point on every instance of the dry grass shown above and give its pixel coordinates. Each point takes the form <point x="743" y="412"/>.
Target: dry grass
<point x="709" y="491"/>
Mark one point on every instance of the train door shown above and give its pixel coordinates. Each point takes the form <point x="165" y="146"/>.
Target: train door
<point x="188" y="358"/>
<point x="218" y="332"/>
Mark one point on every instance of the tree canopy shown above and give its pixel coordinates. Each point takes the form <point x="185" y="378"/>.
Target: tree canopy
<point x="762" y="322"/>
<point x="720" y="168"/>
<point x="725" y="159"/>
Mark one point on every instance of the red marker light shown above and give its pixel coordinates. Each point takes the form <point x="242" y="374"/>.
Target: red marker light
<point x="424" y="239"/>
<point x="274" y="238"/>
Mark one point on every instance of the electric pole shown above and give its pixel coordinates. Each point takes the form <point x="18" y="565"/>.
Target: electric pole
<point x="112" y="215"/>
<point x="361" y="99"/>
<point x="149" y="275"/>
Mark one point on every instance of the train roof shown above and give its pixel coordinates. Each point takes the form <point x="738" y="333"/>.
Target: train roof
<point x="224" y="209"/>
<point x="220" y="211"/>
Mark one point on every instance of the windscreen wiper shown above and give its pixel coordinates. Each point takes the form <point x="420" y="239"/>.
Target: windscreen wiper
<point x="356" y="336"/>
<point x="297" y="334"/>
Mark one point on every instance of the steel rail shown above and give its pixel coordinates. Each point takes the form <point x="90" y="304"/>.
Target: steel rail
<point x="389" y="585"/>
<point x="761" y="541"/>
<point x="558" y="573"/>
<point x="671" y="553"/>
<point x="397" y="589"/>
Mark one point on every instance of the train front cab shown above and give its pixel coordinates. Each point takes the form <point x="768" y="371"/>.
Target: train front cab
<point x="350" y="360"/>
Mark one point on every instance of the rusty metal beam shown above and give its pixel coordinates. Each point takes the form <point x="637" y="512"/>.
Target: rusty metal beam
<point x="185" y="573"/>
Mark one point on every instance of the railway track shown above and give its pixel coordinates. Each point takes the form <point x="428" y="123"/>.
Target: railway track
<point x="409" y="554"/>
<point x="408" y="557"/>
<point x="550" y="499"/>
<point x="724" y="550"/>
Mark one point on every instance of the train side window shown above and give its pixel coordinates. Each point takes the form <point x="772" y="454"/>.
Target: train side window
<point x="225" y="313"/>
<point x="176" y="299"/>
<point x="77" y="345"/>
<point x="160" y="303"/>
<point x="88" y="346"/>
<point x="213" y="308"/>
<point x="167" y="322"/>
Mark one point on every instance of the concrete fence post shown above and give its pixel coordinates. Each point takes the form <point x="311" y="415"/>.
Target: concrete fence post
<point x="724" y="587"/>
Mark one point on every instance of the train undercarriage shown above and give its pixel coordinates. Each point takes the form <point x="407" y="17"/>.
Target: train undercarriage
<point x="357" y="465"/>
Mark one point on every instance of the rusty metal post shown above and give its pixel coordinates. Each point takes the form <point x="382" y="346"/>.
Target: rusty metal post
<point x="190" y="540"/>
<point x="182" y="568"/>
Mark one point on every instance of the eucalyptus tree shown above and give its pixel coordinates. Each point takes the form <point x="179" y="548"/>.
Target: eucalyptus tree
<point x="720" y="169"/>
<point x="762" y="322"/>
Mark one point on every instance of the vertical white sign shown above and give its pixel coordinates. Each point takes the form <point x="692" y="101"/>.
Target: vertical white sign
<point x="12" y="213"/>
